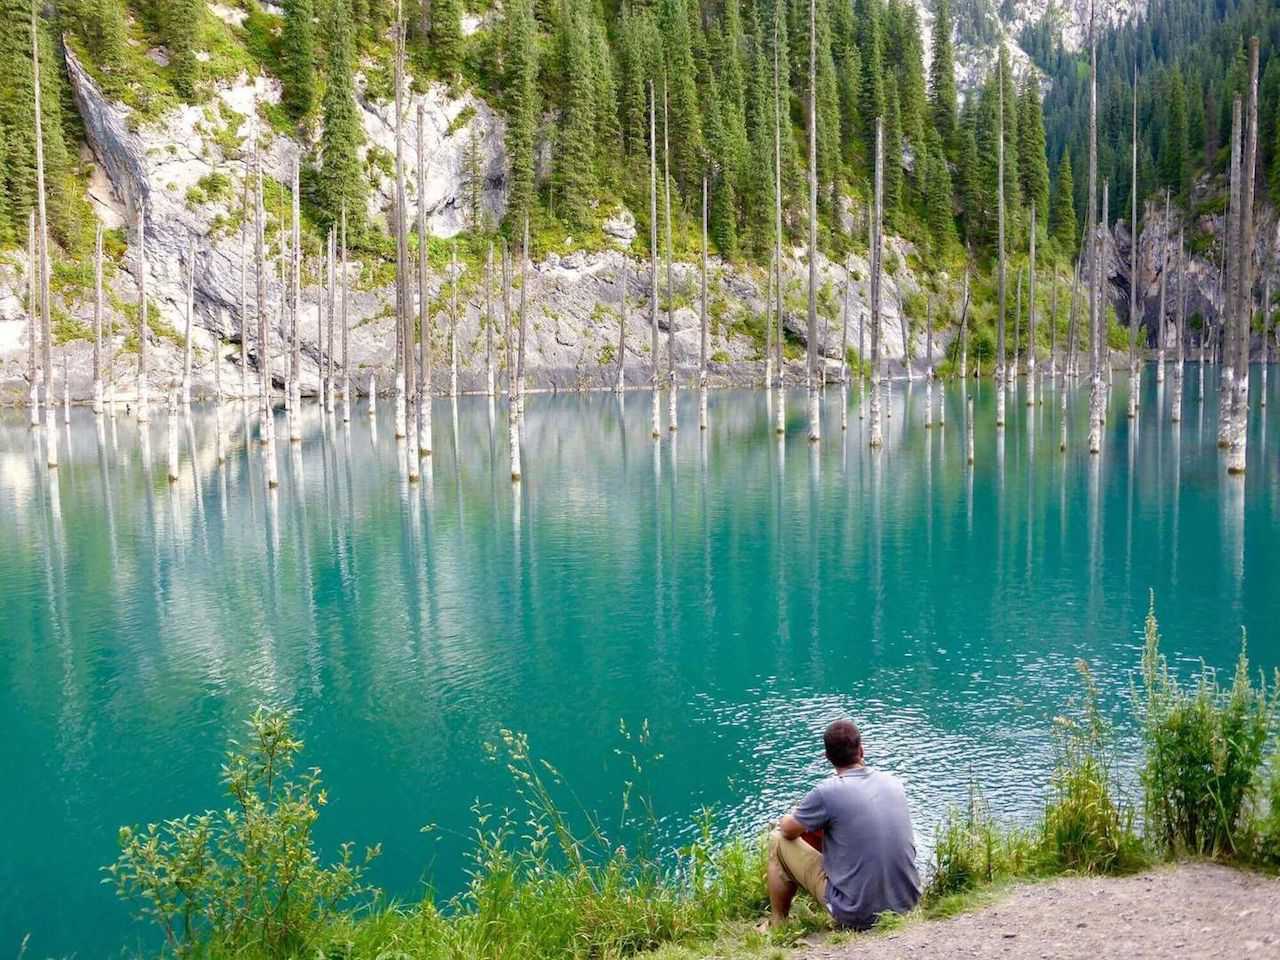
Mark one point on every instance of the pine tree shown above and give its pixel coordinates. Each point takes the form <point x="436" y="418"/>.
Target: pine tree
<point x="1063" y="223"/>
<point x="686" y="143"/>
<point x="730" y="70"/>
<point x="1033" y="165"/>
<point x="446" y="36"/>
<point x="297" y="56"/>
<point x="892" y="152"/>
<point x="640" y="53"/>
<point x="942" y="75"/>
<point x="909" y="58"/>
<point x="342" y="183"/>
<point x="182" y="22"/>
<point x="969" y="172"/>
<point x="522" y="80"/>
<point x="938" y="190"/>
<point x="828" y="97"/>
<point x="873" y="81"/>
<point x="575" y="165"/>
<point x="1012" y="175"/>
<point x="6" y="235"/>
<point x="604" y="104"/>
<point x="1173" y="158"/>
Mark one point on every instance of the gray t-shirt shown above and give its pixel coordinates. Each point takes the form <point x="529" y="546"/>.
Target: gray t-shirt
<point x="868" y="850"/>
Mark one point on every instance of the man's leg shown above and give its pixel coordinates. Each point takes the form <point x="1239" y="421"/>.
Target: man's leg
<point x="792" y="864"/>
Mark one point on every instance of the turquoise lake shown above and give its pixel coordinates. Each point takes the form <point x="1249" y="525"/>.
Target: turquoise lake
<point x="735" y="591"/>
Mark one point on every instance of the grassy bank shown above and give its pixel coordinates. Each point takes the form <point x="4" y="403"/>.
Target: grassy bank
<point x="248" y="881"/>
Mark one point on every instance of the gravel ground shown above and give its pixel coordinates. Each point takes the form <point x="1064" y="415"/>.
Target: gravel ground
<point x="1202" y="911"/>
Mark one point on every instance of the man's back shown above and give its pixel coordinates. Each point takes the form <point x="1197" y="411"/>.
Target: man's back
<point x="868" y="846"/>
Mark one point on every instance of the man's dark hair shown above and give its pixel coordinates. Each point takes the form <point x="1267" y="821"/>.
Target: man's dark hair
<point x="843" y="743"/>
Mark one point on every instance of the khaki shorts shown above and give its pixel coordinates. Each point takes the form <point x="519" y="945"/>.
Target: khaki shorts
<point x="801" y="863"/>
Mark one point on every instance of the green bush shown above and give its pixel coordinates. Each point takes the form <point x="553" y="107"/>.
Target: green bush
<point x="1203" y="764"/>
<point x="248" y="877"/>
<point x="972" y="850"/>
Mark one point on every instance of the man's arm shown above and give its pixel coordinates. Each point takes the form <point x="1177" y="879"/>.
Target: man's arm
<point x="790" y="827"/>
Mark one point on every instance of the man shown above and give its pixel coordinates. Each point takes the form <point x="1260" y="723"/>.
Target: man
<point x="867" y="863"/>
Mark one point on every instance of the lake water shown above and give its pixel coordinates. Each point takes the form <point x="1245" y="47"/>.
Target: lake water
<point x="734" y="591"/>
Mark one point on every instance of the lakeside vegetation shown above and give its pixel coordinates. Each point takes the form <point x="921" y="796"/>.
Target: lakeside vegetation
<point x="544" y="882"/>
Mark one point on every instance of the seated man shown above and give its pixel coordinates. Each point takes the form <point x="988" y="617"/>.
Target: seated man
<point x="867" y="863"/>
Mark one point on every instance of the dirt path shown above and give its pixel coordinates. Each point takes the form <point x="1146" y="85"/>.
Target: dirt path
<point x="1200" y="911"/>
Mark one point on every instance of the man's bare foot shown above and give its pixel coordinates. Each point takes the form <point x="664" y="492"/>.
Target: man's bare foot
<point x="772" y="923"/>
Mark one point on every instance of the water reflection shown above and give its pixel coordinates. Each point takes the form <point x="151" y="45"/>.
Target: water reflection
<point x="730" y="593"/>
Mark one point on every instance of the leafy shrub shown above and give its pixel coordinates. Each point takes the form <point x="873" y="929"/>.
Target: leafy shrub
<point x="248" y="876"/>
<point x="1204" y="751"/>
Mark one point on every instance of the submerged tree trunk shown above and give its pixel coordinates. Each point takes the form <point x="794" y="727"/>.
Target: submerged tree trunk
<point x="877" y="435"/>
<point x="1000" y="281"/>
<point x="97" y="319"/>
<point x="964" y="325"/>
<point x="1236" y="454"/>
<point x="453" y="321"/>
<point x="46" y="344"/>
<point x="346" y="326"/>
<point x="1031" y="314"/>
<point x="425" y="346"/>
<point x="672" y="422"/>
<point x="35" y="372"/>
<point x="488" y="324"/>
<point x="1134" y="268"/>
<point x="655" y="412"/>
<point x="190" y="310"/>
<point x="1231" y="266"/>
<point x="620" y="382"/>
<point x="524" y="316"/>
<point x="780" y="401"/>
<point x="816" y="372"/>
<point x="404" y="341"/>
<point x="144" y="413"/>
<point x="928" y="369"/>
<point x="1161" y="313"/>
<point x="1095" y="246"/>
<point x="1175" y="410"/>
<point x="702" y="349"/>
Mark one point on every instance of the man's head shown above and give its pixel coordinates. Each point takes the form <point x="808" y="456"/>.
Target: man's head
<point x="843" y="743"/>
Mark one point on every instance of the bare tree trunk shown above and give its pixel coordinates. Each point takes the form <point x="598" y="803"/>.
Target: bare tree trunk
<point x="1175" y="412"/>
<point x="190" y="310"/>
<point x="295" y="363"/>
<point x="1053" y="332"/>
<point x="1069" y="360"/>
<point x="513" y="412"/>
<point x="1095" y="247"/>
<point x="1226" y="383"/>
<point x="1017" y="332"/>
<point x="1236" y="455"/>
<point x="1135" y="380"/>
<point x="620" y="383"/>
<point x="1097" y="336"/>
<point x="1266" y="337"/>
<point x="97" y="319"/>
<point x="524" y="314"/>
<point x="964" y="326"/>
<point x="244" y="294"/>
<point x="35" y="373"/>
<point x="1164" y="269"/>
<point x="877" y="434"/>
<point x="1000" y="346"/>
<point x="488" y="324"/>
<point x="144" y="414"/>
<point x="816" y="372"/>
<point x="928" y="370"/>
<point x="1031" y="315"/>
<point x="404" y="342"/>
<point x="425" y="345"/>
<point x="264" y="342"/>
<point x="655" y="414"/>
<point x="780" y="401"/>
<point x="453" y="321"/>
<point x="346" y="328"/>
<point x="672" y="421"/>
<point x="42" y="220"/>
<point x="702" y="348"/>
